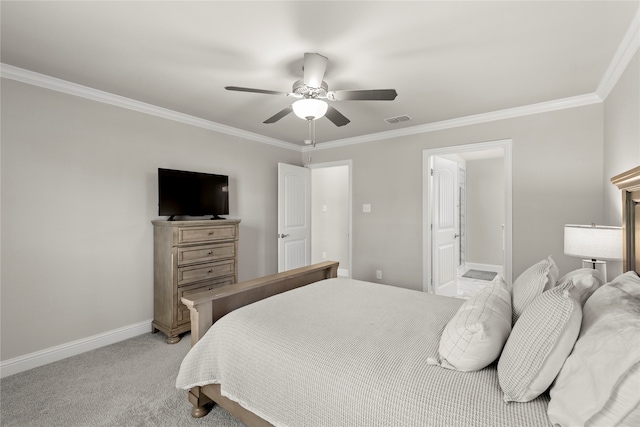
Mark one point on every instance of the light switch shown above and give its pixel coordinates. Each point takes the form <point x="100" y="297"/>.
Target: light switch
<point x="324" y="208"/>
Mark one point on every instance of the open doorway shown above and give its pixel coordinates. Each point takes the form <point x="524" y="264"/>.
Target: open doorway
<point x="331" y="214"/>
<point x="466" y="217"/>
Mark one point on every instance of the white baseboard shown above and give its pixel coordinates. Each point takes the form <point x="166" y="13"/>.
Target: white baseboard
<point x="73" y="348"/>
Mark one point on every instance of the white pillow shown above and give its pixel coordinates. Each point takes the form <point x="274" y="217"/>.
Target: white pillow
<point x="475" y="335"/>
<point x="598" y="382"/>
<point x="623" y="403"/>
<point x="535" y="280"/>
<point x="628" y="282"/>
<point x="539" y="344"/>
<point x="632" y="419"/>
<point x="586" y="281"/>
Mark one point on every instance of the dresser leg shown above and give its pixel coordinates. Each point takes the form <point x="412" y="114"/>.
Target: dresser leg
<point x="173" y="339"/>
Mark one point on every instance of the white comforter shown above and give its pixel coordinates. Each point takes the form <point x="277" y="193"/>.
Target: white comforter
<point x="343" y="352"/>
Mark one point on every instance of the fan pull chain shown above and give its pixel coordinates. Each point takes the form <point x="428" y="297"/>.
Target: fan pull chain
<point x="312" y="132"/>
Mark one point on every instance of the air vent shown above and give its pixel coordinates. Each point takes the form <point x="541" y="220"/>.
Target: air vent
<point x="397" y="119"/>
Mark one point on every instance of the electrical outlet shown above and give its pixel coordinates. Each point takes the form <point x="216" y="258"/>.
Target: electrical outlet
<point x="378" y="274"/>
<point x="366" y="208"/>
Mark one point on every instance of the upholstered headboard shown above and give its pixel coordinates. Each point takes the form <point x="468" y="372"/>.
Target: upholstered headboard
<point x="629" y="183"/>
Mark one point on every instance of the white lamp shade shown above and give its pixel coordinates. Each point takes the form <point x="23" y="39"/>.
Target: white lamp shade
<point x="594" y="242"/>
<point x="310" y="107"/>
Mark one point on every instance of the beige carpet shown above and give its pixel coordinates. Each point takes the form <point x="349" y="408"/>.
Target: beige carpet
<point x="130" y="383"/>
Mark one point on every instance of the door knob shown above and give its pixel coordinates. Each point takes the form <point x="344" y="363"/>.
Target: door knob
<point x="282" y="236"/>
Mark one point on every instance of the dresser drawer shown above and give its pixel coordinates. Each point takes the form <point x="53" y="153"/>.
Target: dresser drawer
<point x="204" y="253"/>
<point x="183" y="311"/>
<point x="206" y="234"/>
<point x="200" y="272"/>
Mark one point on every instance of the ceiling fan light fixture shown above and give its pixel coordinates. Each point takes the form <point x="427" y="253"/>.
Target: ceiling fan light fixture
<point x="310" y="107"/>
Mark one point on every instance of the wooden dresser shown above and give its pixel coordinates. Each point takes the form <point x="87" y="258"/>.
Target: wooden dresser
<point x="189" y="257"/>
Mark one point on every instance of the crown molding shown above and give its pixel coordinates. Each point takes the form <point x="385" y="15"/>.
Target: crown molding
<point x="628" y="47"/>
<point x="52" y="83"/>
<point x="543" y="107"/>
<point x="59" y="85"/>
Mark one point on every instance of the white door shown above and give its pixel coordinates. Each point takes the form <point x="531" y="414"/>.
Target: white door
<point x="294" y="217"/>
<point x="444" y="251"/>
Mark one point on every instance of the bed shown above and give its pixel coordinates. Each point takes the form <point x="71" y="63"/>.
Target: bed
<point x="307" y="348"/>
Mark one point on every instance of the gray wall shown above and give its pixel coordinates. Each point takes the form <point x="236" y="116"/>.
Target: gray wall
<point x="557" y="179"/>
<point x="621" y="142"/>
<point x="79" y="191"/>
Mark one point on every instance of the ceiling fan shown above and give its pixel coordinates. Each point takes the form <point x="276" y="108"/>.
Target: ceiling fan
<point x="313" y="92"/>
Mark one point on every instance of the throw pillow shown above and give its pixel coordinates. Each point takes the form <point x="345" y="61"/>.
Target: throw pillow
<point x="535" y="280"/>
<point x="539" y="344"/>
<point x="586" y="281"/>
<point x="475" y="335"/>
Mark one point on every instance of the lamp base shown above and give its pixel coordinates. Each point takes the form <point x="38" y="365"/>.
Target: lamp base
<point x="599" y="266"/>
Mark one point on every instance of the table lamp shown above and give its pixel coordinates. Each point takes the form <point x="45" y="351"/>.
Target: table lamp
<point x="598" y="243"/>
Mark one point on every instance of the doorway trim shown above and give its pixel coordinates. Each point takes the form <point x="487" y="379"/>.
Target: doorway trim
<point x="427" y="203"/>
<point x="349" y="164"/>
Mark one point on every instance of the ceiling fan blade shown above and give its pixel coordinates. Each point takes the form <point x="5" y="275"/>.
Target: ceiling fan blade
<point x="363" y="95"/>
<point x="314" y="68"/>
<point x="279" y="115"/>
<point x="336" y="117"/>
<point x="248" y="89"/>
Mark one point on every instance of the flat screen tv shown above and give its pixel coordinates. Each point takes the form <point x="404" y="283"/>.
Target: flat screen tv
<point x="184" y="193"/>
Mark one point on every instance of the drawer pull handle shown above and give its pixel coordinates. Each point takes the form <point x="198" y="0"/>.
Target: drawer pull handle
<point x="210" y="271"/>
<point x="209" y="253"/>
<point x="210" y="233"/>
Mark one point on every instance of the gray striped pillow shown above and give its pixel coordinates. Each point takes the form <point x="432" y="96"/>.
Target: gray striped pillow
<point x="535" y="280"/>
<point x="539" y="343"/>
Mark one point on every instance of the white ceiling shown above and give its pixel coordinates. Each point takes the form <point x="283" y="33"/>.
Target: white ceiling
<point x="446" y="60"/>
